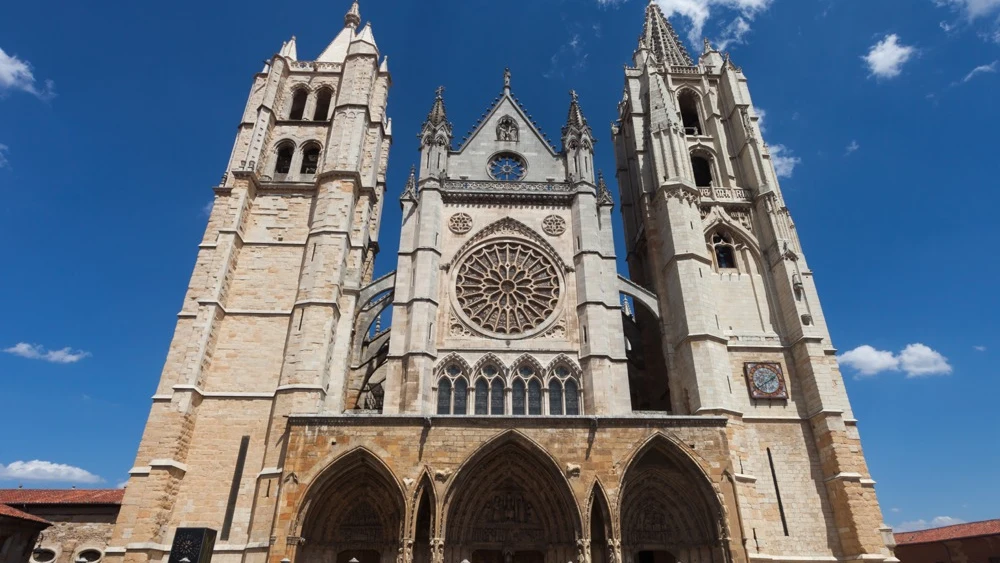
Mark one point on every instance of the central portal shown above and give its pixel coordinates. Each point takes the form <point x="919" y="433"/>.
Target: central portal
<point x="511" y="505"/>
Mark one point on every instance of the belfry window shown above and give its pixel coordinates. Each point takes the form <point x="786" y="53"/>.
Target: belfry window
<point x="702" y="171"/>
<point x="310" y="159"/>
<point x="323" y="105"/>
<point x="298" y="104"/>
<point x="284" y="160"/>
<point x="688" y="102"/>
<point x="725" y="251"/>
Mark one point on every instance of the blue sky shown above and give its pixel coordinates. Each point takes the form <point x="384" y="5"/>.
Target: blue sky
<point x="116" y="118"/>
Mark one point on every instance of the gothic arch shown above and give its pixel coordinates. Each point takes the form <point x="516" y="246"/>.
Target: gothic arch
<point x="667" y="503"/>
<point x="490" y="359"/>
<point x="601" y="526"/>
<point x="453" y="358"/>
<point x="598" y="500"/>
<point x="425" y="486"/>
<point x="740" y="237"/>
<point x="511" y="494"/>
<point x="527" y="360"/>
<point x="564" y="360"/>
<point x="354" y="505"/>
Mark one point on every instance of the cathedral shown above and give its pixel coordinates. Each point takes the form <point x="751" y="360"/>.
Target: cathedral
<point x="506" y="395"/>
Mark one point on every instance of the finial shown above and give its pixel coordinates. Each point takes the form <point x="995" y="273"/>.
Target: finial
<point x="572" y="94"/>
<point x="353" y="17"/>
<point x="506" y="79"/>
<point x="439" y="92"/>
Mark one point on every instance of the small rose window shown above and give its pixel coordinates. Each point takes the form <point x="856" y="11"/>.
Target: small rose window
<point x="507" y="167"/>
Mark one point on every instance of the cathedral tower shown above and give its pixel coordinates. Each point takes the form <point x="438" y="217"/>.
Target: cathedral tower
<point x="511" y="408"/>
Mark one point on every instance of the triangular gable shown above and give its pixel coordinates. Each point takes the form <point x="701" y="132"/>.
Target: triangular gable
<point x="507" y="105"/>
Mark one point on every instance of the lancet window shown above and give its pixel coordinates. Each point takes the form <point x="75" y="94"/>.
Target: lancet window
<point x="322" y="112"/>
<point x="724" y="250"/>
<point x="283" y="161"/>
<point x="299" y="97"/>
<point x="452" y="390"/>
<point x="532" y="391"/>
<point x="310" y="159"/>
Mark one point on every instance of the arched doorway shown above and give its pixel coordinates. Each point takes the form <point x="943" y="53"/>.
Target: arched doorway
<point x="353" y="514"/>
<point x="511" y="504"/>
<point x="669" y="509"/>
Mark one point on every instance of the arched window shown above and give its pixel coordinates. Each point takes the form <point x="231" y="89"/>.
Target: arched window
<point x="572" y="398"/>
<point x="555" y="397"/>
<point x="496" y="397"/>
<point x="725" y="251"/>
<point x="284" y="158"/>
<point x="461" y="396"/>
<point x="444" y="396"/>
<point x="534" y="397"/>
<point x="702" y="171"/>
<point x="323" y="104"/>
<point x="482" y="396"/>
<point x="310" y="159"/>
<point x="688" y="102"/>
<point x="517" y="397"/>
<point x="298" y="104"/>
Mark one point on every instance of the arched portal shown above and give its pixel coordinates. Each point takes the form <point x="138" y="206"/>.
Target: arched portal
<point x="354" y="511"/>
<point x="511" y="504"/>
<point x="669" y="509"/>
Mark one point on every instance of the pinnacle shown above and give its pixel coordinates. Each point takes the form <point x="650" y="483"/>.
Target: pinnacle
<point x="353" y="17"/>
<point x="437" y="116"/>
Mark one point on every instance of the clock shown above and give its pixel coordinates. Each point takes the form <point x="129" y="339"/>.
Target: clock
<point x="765" y="380"/>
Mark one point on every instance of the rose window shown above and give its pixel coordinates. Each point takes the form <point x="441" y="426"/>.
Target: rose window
<point x="507" y="288"/>
<point x="507" y="167"/>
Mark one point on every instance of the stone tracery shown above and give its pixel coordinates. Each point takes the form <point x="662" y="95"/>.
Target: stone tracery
<point x="508" y="287"/>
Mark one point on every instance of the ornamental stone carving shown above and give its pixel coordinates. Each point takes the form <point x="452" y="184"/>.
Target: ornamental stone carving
<point x="460" y="223"/>
<point x="507" y="288"/>
<point x="554" y="225"/>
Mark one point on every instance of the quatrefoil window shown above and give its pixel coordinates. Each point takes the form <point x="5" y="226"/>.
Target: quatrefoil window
<point x="507" y="288"/>
<point x="507" y="167"/>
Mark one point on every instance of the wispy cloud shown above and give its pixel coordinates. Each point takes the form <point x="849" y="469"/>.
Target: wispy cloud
<point x="16" y="74"/>
<point x="886" y="58"/>
<point x="37" y="470"/>
<point x="784" y="161"/>
<point x="739" y="13"/>
<point x="38" y="352"/>
<point x="971" y="9"/>
<point x="981" y="69"/>
<point x="916" y="360"/>
<point x="852" y="148"/>
<point x="979" y="348"/>
<point x="4" y="163"/>
<point x="937" y="522"/>
<point x="207" y="209"/>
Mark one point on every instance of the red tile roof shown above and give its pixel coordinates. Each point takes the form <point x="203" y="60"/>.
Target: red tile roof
<point x="61" y="496"/>
<point x="14" y="513"/>
<point x="958" y="531"/>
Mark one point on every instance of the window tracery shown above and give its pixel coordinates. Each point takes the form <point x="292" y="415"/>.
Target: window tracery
<point x="507" y="129"/>
<point x="507" y="288"/>
<point x="507" y="167"/>
<point x="460" y="223"/>
<point x="533" y="390"/>
<point x="554" y="225"/>
<point x="725" y="250"/>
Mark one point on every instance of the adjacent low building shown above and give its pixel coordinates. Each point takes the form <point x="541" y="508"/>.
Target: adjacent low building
<point x="71" y="526"/>
<point x="975" y="542"/>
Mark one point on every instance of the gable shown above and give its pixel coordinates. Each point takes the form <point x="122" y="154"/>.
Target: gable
<point x="472" y="158"/>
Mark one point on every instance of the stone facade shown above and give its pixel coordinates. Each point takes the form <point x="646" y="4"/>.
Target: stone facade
<point x="510" y="409"/>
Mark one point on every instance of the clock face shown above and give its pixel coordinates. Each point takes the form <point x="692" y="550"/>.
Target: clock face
<point x="766" y="381"/>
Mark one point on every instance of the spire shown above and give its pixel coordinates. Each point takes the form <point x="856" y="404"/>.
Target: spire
<point x="288" y="49"/>
<point x="353" y="17"/>
<point x="410" y="191"/>
<point x="437" y="116"/>
<point x="576" y="124"/>
<point x="626" y="308"/>
<point x="660" y="38"/>
<point x="603" y="193"/>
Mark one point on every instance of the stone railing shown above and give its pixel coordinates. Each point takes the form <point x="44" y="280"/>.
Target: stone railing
<point x="685" y="69"/>
<point x="490" y="186"/>
<point x="725" y="194"/>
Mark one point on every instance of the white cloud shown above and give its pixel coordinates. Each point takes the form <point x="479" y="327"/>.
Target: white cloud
<point x="852" y="148"/>
<point x="916" y="360"/>
<point x="15" y="74"/>
<point x="784" y="161"/>
<point x="895" y="509"/>
<point x="979" y="348"/>
<point x="698" y="12"/>
<point x="869" y="361"/>
<point x="972" y="9"/>
<point x="122" y="484"/>
<point x="938" y="522"/>
<point x="981" y="69"/>
<point x="4" y="163"/>
<point x="38" y="352"/>
<point x="37" y="470"/>
<point x="761" y="114"/>
<point x="886" y="58"/>
<point x="207" y="209"/>
<point x="947" y="27"/>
